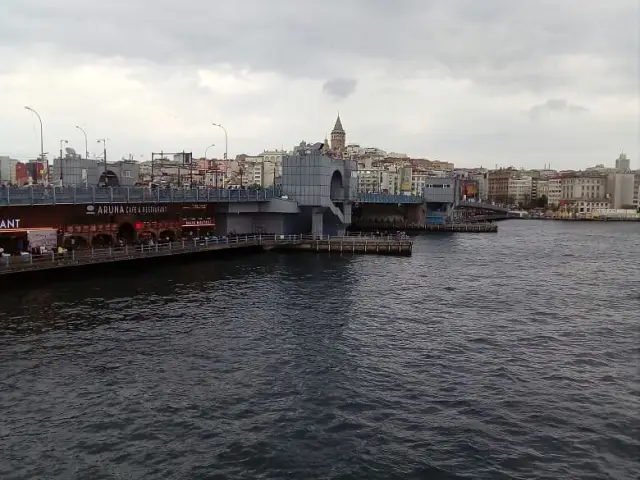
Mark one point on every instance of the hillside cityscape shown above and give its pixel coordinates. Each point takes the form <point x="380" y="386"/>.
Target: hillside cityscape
<point x="606" y="186"/>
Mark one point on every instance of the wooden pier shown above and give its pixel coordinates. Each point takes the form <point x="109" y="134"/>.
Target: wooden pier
<point x="355" y="244"/>
<point x="461" y="227"/>
<point x="13" y="267"/>
<point x="95" y="256"/>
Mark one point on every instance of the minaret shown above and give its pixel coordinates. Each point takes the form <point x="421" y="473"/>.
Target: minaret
<point x="338" y="136"/>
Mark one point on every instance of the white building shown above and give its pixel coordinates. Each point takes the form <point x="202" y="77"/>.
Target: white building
<point x="623" y="162"/>
<point x="519" y="189"/>
<point x="581" y="186"/>
<point x="272" y="167"/>
<point x="554" y="189"/>
<point x="7" y="170"/>
<point x="378" y="180"/>
<point x="588" y="206"/>
<point x="542" y="188"/>
<point x="620" y="189"/>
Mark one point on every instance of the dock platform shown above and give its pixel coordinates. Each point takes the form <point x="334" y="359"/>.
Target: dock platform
<point x="387" y="245"/>
<point x="353" y="243"/>
<point x="459" y="227"/>
<point x="94" y="256"/>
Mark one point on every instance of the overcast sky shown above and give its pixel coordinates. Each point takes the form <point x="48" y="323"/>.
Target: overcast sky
<point x="475" y="82"/>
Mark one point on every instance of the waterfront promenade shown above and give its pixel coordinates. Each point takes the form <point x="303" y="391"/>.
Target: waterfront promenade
<point x="364" y="244"/>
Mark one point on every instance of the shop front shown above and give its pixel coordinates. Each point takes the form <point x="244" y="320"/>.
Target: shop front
<point x="134" y="223"/>
<point x="20" y="234"/>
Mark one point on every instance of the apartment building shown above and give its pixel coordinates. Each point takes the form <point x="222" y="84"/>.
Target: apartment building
<point x="378" y="180"/>
<point x="519" y="189"/>
<point x="8" y="170"/>
<point x="539" y="189"/>
<point x="554" y="191"/>
<point x="620" y="189"/>
<point x="582" y="185"/>
<point x="498" y="184"/>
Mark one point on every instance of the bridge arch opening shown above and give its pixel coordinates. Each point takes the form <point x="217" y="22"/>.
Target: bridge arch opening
<point x="126" y="232"/>
<point x="74" y="242"/>
<point x="147" y="236"/>
<point x="167" y="236"/>
<point x="336" y="191"/>
<point x="102" y="240"/>
<point x="109" y="179"/>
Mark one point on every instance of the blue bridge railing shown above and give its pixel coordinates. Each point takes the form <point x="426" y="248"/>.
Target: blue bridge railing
<point x="385" y="198"/>
<point x="39" y="195"/>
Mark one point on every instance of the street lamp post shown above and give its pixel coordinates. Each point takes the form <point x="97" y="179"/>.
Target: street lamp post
<point x="62" y="142"/>
<point x="215" y="172"/>
<point x="41" y="142"/>
<point x="226" y="143"/>
<point x="273" y="164"/>
<point x="86" y="143"/>
<point x="104" y="151"/>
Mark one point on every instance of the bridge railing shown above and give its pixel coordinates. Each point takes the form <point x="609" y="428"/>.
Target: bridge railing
<point x="39" y="195"/>
<point x="100" y="255"/>
<point x="27" y="261"/>
<point x="483" y="206"/>
<point x="348" y="237"/>
<point x="387" y="198"/>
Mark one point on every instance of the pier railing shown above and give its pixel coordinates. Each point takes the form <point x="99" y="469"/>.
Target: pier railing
<point x="24" y="262"/>
<point x="39" y="195"/>
<point x="128" y="252"/>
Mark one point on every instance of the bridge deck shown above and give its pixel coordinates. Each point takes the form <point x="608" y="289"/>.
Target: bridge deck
<point x="89" y="195"/>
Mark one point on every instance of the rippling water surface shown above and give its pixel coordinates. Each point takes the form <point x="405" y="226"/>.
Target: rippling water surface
<point x="513" y="355"/>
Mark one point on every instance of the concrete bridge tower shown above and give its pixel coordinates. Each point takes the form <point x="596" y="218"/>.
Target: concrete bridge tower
<point x="324" y="187"/>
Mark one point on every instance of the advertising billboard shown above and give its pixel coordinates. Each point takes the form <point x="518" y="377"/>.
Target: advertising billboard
<point x="405" y="179"/>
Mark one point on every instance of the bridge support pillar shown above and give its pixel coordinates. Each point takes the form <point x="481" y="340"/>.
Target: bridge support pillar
<point x="416" y="214"/>
<point x="316" y="221"/>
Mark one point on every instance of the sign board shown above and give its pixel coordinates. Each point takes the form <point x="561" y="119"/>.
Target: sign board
<point x="199" y="222"/>
<point x="9" y="223"/>
<point x="125" y="209"/>
<point x="42" y="238"/>
<point x="405" y="179"/>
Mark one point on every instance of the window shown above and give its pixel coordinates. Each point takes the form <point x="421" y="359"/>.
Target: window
<point x="126" y="174"/>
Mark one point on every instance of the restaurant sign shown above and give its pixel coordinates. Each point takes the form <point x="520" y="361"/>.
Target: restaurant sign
<point x="7" y="223"/>
<point x="125" y="209"/>
<point x="199" y="222"/>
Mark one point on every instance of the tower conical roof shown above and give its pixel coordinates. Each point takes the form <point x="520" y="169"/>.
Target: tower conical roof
<point x="338" y="126"/>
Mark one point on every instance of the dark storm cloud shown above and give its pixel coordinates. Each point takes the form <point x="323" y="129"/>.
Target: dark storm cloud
<point x="555" y="105"/>
<point x="487" y="41"/>
<point x="340" y="88"/>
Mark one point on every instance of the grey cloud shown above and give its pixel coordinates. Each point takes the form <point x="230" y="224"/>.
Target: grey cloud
<point x="340" y="88"/>
<point x="555" y="105"/>
<point x="490" y="42"/>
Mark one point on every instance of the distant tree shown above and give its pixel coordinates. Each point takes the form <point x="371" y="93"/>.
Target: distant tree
<point x="542" y="201"/>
